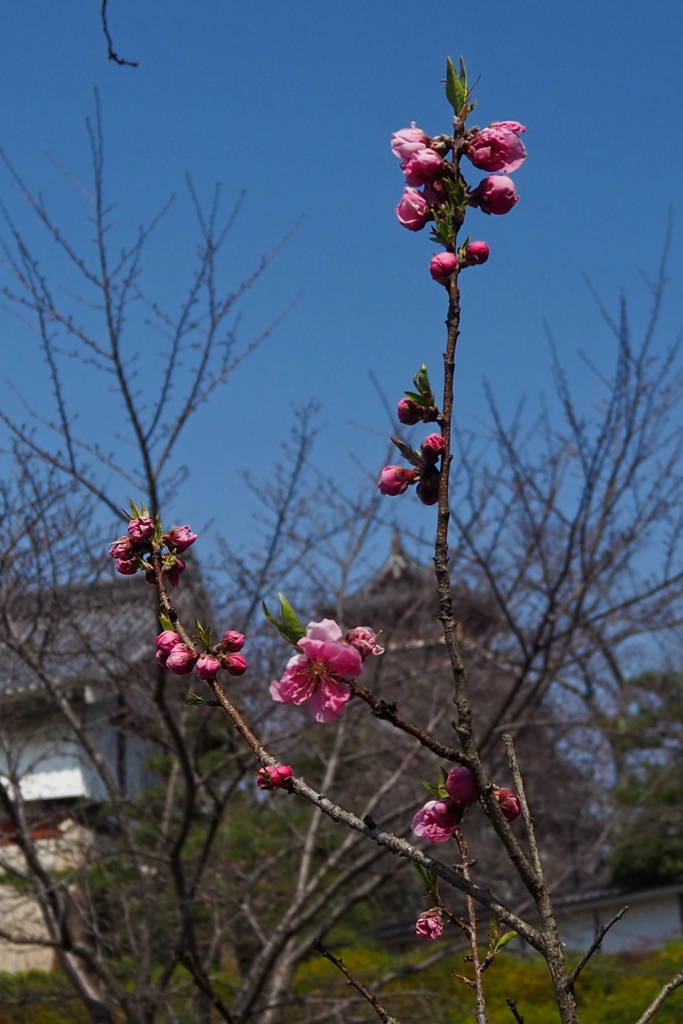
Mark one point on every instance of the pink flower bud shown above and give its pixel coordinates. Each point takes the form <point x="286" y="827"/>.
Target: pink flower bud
<point x="126" y="568"/>
<point x="179" y="538"/>
<point x="498" y="148"/>
<point x="409" y="412"/>
<point x="235" y="664"/>
<point x="476" y="252"/>
<point x="408" y="141"/>
<point x="423" y="166"/>
<point x="181" y="660"/>
<point x="123" y="549"/>
<point x="428" y="488"/>
<point x="432" y="447"/>
<point x="495" y="194"/>
<point x="364" y="640"/>
<point x="413" y="210"/>
<point x="141" y="529"/>
<point x="437" y="820"/>
<point x="395" y="479"/>
<point x="233" y="641"/>
<point x="161" y="658"/>
<point x="509" y="804"/>
<point x="173" y="573"/>
<point x="167" y="640"/>
<point x="442" y="265"/>
<point x="273" y="777"/>
<point x="430" y="924"/>
<point x="207" y="666"/>
<point x="462" y="786"/>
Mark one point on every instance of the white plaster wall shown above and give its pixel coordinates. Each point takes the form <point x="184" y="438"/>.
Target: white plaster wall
<point x="648" y="924"/>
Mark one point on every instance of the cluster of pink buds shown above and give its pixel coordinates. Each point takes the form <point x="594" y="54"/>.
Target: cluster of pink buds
<point x="179" y="658"/>
<point x="433" y="165"/>
<point x="144" y="536"/>
<point x="273" y="777"/>
<point x="395" y="480"/>
<point x="438" y="819"/>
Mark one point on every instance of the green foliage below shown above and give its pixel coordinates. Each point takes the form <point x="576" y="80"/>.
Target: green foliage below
<point x="37" y="998"/>
<point x="612" y="989"/>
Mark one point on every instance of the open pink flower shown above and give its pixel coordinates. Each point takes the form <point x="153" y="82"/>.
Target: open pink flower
<point x="430" y="924"/>
<point x="498" y="147"/>
<point x="318" y="674"/>
<point x="437" y="820"/>
<point x="408" y="141"/>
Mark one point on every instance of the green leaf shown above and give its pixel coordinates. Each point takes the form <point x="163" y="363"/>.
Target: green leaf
<point x="503" y="941"/>
<point x="135" y="513"/>
<point x="192" y="698"/>
<point x="158" y="531"/>
<point x="463" y="73"/>
<point x="407" y="452"/>
<point x="165" y="622"/>
<point x="421" y="873"/>
<point x="456" y="90"/>
<point x="203" y="633"/>
<point x="421" y="381"/>
<point x="290" y="622"/>
<point x="413" y="395"/>
<point x="290" y="633"/>
<point x="434" y="790"/>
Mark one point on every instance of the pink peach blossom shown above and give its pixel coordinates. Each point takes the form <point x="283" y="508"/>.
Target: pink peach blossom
<point x="495" y="194"/>
<point x="179" y="538"/>
<point x="509" y="804"/>
<point x="432" y="447"/>
<point x="181" y="660"/>
<point x="476" y="252"/>
<point x="123" y="549"/>
<point x="141" y="529"/>
<point x="395" y="480"/>
<point x="437" y="820"/>
<point x="430" y="924"/>
<point x="317" y="675"/>
<point x="167" y="640"/>
<point x="207" y="666"/>
<point x="498" y="147"/>
<point x="462" y="786"/>
<point x="408" y="141"/>
<point x="409" y="412"/>
<point x="126" y="568"/>
<point x="423" y="166"/>
<point x="273" y="777"/>
<point x="364" y="640"/>
<point x="442" y="265"/>
<point x="232" y="640"/>
<point x="235" y="664"/>
<point x="413" y="210"/>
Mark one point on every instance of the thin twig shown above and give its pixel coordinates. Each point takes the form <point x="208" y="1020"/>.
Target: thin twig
<point x="595" y="945"/>
<point x="665" y="992"/>
<point x="514" y="1011"/>
<point x="111" y="54"/>
<point x="383" y="1014"/>
<point x="204" y="985"/>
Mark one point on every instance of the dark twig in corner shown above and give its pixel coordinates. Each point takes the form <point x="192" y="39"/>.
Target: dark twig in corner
<point x="595" y="945"/>
<point x="514" y="1011"/>
<point x="383" y="1015"/>
<point x="204" y="985"/>
<point x="111" y="53"/>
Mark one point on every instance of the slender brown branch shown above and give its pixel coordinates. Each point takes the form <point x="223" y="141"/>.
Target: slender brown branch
<point x="514" y="1011"/>
<point x="595" y="945"/>
<point x="383" y="1014"/>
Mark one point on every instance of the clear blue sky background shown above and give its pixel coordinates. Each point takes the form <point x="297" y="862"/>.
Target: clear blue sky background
<point x="295" y="103"/>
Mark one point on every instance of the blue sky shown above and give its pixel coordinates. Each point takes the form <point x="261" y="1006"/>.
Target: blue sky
<point x="295" y="103"/>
